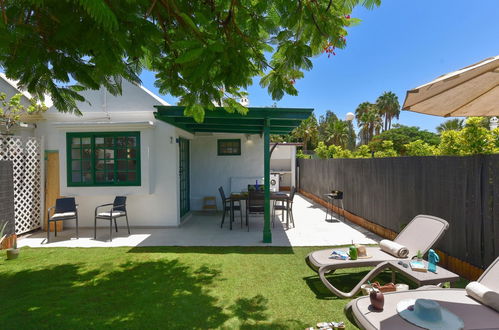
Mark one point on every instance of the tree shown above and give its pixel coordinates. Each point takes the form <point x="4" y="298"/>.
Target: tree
<point x="386" y="150"/>
<point x="371" y="123"/>
<point x="476" y="139"/>
<point x="419" y="148"/>
<point x="307" y="132"/>
<point x="450" y="143"/>
<point x="401" y="135"/>
<point x="338" y="133"/>
<point x="12" y="111"/>
<point x="451" y="124"/>
<point x="324" y="123"/>
<point x="201" y="51"/>
<point x="389" y="108"/>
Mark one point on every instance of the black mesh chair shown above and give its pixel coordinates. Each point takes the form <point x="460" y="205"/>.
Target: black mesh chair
<point x="118" y="210"/>
<point x="256" y="204"/>
<point x="226" y="206"/>
<point x="285" y="205"/>
<point x="64" y="209"/>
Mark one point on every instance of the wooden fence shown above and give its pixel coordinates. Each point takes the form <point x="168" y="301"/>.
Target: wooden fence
<point x="387" y="193"/>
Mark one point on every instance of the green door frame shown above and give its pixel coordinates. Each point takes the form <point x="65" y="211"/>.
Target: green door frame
<point x="184" y="176"/>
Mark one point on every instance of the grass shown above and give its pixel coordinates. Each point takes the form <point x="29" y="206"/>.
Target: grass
<point x="168" y="287"/>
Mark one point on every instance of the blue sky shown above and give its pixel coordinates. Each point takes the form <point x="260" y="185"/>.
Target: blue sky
<point x="398" y="46"/>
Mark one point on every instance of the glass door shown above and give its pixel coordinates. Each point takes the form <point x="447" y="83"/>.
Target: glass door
<point x="184" y="174"/>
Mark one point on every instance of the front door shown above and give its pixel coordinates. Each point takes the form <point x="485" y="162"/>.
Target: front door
<point x="185" y="203"/>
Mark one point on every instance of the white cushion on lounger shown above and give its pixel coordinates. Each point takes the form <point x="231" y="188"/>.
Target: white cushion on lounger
<point x="108" y="214"/>
<point x="62" y="215"/>
<point x="483" y="294"/>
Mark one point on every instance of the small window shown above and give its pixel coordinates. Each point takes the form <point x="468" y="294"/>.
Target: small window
<point x="229" y="147"/>
<point x="103" y="159"/>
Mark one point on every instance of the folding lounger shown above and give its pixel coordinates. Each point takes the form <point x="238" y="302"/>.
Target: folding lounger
<point x="419" y="235"/>
<point x="474" y="314"/>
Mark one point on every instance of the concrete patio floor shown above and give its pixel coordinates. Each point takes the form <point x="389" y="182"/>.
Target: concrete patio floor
<point x="203" y="229"/>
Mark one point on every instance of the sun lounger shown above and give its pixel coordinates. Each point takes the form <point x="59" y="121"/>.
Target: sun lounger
<point x="420" y="234"/>
<point x="474" y="314"/>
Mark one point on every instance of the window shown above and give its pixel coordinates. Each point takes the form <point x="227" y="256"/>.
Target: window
<point x="229" y="147"/>
<point x="103" y="159"/>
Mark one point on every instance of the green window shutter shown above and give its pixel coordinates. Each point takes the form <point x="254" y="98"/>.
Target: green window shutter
<point x="103" y="159"/>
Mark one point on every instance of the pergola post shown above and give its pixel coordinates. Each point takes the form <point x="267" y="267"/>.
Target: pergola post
<point x="267" y="234"/>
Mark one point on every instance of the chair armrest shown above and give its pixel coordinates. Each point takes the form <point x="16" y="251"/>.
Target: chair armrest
<point x="48" y="211"/>
<point x="108" y="204"/>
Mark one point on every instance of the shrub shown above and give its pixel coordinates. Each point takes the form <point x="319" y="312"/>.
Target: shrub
<point x="386" y="150"/>
<point x="419" y="148"/>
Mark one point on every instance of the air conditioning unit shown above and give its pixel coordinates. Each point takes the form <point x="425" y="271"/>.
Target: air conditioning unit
<point x="274" y="182"/>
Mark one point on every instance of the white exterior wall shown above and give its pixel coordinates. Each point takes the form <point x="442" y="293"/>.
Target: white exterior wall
<point x="283" y="161"/>
<point x="155" y="202"/>
<point x="210" y="171"/>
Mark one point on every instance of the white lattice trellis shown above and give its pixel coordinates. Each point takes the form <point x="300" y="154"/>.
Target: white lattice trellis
<point x="25" y="154"/>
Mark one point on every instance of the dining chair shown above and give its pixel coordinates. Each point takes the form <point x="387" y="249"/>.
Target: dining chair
<point x="285" y="205"/>
<point x="256" y="204"/>
<point x="64" y="209"/>
<point x="226" y="206"/>
<point x="118" y="210"/>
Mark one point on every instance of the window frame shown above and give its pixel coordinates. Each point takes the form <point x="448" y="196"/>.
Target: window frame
<point x="92" y="136"/>
<point x="220" y="141"/>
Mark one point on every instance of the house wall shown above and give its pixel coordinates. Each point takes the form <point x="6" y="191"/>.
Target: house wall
<point x="283" y="160"/>
<point x="155" y="202"/>
<point x="210" y="171"/>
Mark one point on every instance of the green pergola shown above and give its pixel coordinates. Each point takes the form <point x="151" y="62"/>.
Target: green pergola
<point x="263" y="121"/>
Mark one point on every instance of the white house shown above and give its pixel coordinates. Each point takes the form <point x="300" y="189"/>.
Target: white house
<point x="138" y="146"/>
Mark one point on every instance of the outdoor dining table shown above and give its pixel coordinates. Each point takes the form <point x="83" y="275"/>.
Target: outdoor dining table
<point x="243" y="196"/>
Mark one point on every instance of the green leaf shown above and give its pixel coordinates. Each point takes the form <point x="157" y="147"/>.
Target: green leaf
<point x="189" y="21"/>
<point x="195" y="111"/>
<point x="189" y="56"/>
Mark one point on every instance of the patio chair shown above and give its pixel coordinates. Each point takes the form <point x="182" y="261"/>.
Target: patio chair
<point x="256" y="204"/>
<point x="64" y="209"/>
<point x="475" y="314"/>
<point x="118" y="210"/>
<point x="280" y="205"/>
<point x="226" y="206"/>
<point x="419" y="235"/>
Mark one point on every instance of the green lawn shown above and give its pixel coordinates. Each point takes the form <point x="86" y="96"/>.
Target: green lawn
<point x="167" y="287"/>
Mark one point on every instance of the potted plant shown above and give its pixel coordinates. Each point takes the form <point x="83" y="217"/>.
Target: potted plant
<point x="2" y="236"/>
<point x="13" y="252"/>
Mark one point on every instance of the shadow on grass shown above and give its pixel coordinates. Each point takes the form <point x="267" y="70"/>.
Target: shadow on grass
<point x="344" y="281"/>
<point x="213" y="249"/>
<point x="161" y="294"/>
<point x="252" y="313"/>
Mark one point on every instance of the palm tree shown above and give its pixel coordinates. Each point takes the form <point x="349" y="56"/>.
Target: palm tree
<point x="324" y="122"/>
<point x="451" y="125"/>
<point x="307" y="131"/>
<point x="338" y="133"/>
<point x="371" y="123"/>
<point x="361" y="110"/>
<point x="389" y="108"/>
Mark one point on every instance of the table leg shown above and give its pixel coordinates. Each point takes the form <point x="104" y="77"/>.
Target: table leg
<point x="231" y="213"/>
<point x="287" y="214"/>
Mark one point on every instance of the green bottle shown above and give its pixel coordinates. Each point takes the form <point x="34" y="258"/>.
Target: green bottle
<point x="353" y="252"/>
